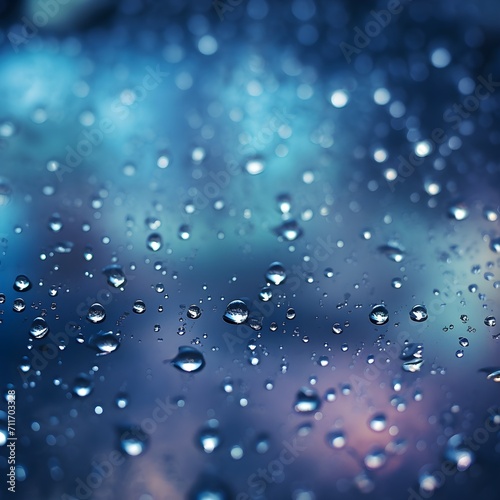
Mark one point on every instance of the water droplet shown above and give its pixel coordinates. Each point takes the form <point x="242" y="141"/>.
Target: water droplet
<point x="18" y="305"/>
<point x="254" y="166"/>
<point x="337" y="329"/>
<point x="336" y="439"/>
<point x="139" y="307"/>
<point x="411" y="351"/>
<point x="184" y="232"/>
<point x="82" y="386"/>
<point x="375" y="458"/>
<point x="133" y="441"/>
<point x="328" y="272"/>
<point x="154" y="242"/>
<point x="189" y="360"/>
<point x="464" y="342"/>
<point x="418" y="313"/>
<point x="458" y="453"/>
<point x="495" y="245"/>
<point x="290" y="313"/>
<point x="490" y="321"/>
<point x="413" y="365"/>
<point x="493" y="373"/>
<point x="458" y="211"/>
<point x="379" y="315"/>
<point x="39" y="328"/>
<point x="115" y="276"/>
<point x="393" y="251"/>
<point x="55" y="223"/>
<point x="330" y="395"/>
<point x="209" y="439"/>
<point x="265" y="294"/>
<point x="104" y="342"/>
<point x="193" y="312"/>
<point x="459" y="353"/>
<point x="96" y="313"/>
<point x="236" y="312"/>
<point x="307" y="401"/>
<point x="378" y="422"/>
<point x="288" y="231"/>
<point x="122" y="400"/>
<point x="396" y="283"/>
<point x="22" y="283"/>
<point x="276" y="273"/>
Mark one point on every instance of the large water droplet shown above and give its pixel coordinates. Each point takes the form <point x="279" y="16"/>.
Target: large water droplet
<point x="22" y="283"/>
<point x="418" y="313"/>
<point x="189" y="360"/>
<point x="276" y="273"/>
<point x="307" y="401"/>
<point x="115" y="275"/>
<point x="236" y="312"/>
<point x="154" y="242"/>
<point x="379" y="315"/>
<point x="96" y="313"/>
<point x="39" y="328"/>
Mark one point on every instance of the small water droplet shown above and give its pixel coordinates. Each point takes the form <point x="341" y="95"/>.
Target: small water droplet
<point x="82" y="386"/>
<point x="139" y="307"/>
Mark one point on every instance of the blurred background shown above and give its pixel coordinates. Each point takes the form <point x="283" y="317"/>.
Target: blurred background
<point x="331" y="165"/>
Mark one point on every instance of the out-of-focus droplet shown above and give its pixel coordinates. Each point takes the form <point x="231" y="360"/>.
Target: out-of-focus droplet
<point x="458" y="453"/>
<point x="336" y="439"/>
<point x="133" y="441"/>
<point x="184" y="232"/>
<point x="288" y="231"/>
<point x="378" y="422"/>
<point x="458" y="211"/>
<point x="307" y="401"/>
<point x="393" y="251"/>
<point x="82" y="386"/>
